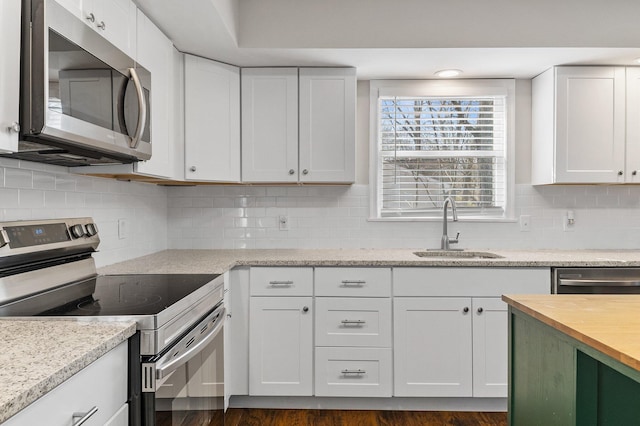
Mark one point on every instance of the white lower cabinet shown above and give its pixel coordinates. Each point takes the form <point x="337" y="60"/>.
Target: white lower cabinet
<point x="353" y="372"/>
<point x="101" y="385"/>
<point x="280" y="346"/>
<point x="432" y="347"/>
<point x="455" y="344"/>
<point x="353" y="332"/>
<point x="281" y="331"/>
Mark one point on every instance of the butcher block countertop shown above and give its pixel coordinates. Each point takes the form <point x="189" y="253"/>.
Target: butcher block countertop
<point x="607" y="323"/>
<point x="220" y="261"/>
<point x="37" y="355"/>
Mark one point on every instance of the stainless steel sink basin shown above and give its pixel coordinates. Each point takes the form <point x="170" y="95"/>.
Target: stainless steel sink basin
<point x="461" y="254"/>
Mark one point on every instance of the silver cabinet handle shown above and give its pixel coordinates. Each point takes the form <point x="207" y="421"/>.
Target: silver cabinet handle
<point x="353" y="283"/>
<point x="358" y="371"/>
<point x="620" y="172"/>
<point x="465" y="309"/>
<point x="305" y="172"/>
<point x="305" y="309"/>
<point x="142" y="110"/>
<point x="286" y="283"/>
<point x="480" y="310"/>
<point x="83" y="417"/>
<point x="192" y="168"/>
<point x="102" y="25"/>
<point x="91" y="17"/>
<point x="291" y="171"/>
<point x="353" y="322"/>
<point x="15" y="127"/>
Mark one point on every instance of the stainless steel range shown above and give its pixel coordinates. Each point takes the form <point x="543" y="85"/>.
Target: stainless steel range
<point x="47" y="270"/>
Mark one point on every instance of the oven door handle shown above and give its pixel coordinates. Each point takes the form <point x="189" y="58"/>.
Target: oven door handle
<point x="168" y="364"/>
<point x="599" y="283"/>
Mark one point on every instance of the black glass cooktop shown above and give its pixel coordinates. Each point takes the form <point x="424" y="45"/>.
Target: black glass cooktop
<point x="110" y="295"/>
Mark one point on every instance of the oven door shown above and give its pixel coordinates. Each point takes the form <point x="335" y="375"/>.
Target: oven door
<point x="185" y="384"/>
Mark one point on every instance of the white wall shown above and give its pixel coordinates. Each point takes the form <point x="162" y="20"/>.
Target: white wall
<point x="39" y="191"/>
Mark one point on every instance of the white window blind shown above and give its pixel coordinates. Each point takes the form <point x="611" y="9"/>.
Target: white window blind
<point x="432" y="147"/>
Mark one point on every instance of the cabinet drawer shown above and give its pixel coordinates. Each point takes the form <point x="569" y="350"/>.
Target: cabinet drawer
<point x="353" y="372"/>
<point x="106" y="378"/>
<point x="470" y="282"/>
<point x="359" y="282"/>
<point x="353" y="322"/>
<point x="281" y="281"/>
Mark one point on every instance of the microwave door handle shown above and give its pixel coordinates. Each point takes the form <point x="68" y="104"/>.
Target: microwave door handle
<point x="142" y="110"/>
<point x="163" y="369"/>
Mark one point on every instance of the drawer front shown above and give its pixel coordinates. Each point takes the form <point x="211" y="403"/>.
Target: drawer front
<point x="358" y="282"/>
<point x="281" y="281"/>
<point x="353" y="322"/>
<point x="106" y="378"/>
<point x="353" y="372"/>
<point x="470" y="282"/>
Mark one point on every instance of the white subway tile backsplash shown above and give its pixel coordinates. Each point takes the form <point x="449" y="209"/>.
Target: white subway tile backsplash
<point x="18" y="178"/>
<point x="31" y="198"/>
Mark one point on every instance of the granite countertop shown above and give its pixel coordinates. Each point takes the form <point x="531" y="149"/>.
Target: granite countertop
<point x="39" y="355"/>
<point x="607" y="323"/>
<point x="220" y="261"/>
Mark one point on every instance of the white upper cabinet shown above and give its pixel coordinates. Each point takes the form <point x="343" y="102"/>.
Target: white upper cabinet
<point x="155" y="52"/>
<point x="270" y="124"/>
<point x="632" y="165"/>
<point x="212" y="120"/>
<point x="9" y="74"/>
<point x="114" y="19"/>
<point x="579" y="119"/>
<point x="298" y="125"/>
<point x="327" y="124"/>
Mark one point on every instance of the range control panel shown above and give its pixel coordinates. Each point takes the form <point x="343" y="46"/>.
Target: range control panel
<point x="41" y="234"/>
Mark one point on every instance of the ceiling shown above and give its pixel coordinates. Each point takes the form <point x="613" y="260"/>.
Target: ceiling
<point x="405" y="38"/>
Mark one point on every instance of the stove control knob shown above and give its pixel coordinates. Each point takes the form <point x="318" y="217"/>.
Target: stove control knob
<point x="92" y="229"/>
<point x="77" y="231"/>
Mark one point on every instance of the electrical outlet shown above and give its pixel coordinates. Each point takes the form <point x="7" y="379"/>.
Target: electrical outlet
<point x="283" y="223"/>
<point x="123" y="229"/>
<point x="525" y="223"/>
<point x="569" y="221"/>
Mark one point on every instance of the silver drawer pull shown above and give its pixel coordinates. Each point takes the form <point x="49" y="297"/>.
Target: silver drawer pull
<point x="280" y="282"/>
<point x="82" y="417"/>
<point x="353" y="283"/>
<point x="358" y="371"/>
<point x="353" y="322"/>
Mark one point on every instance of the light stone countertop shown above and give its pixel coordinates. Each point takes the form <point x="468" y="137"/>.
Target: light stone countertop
<point x="220" y="261"/>
<point x="39" y="355"/>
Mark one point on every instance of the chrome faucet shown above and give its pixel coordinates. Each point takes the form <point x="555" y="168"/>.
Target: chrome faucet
<point x="444" y="245"/>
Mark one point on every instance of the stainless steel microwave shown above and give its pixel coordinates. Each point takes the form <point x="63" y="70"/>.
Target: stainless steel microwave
<point x="82" y="100"/>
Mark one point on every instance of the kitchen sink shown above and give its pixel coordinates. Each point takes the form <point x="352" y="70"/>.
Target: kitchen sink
<point x="462" y="254"/>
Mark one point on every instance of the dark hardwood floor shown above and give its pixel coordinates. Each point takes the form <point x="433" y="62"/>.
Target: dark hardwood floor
<point x="256" y="417"/>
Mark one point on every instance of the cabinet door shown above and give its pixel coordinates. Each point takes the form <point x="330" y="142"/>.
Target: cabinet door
<point x="212" y="120"/>
<point x="116" y="20"/>
<point x="280" y="346"/>
<point x="490" y="352"/>
<point x="632" y="168"/>
<point x="432" y="347"/>
<point x="155" y="53"/>
<point x="590" y="124"/>
<point x="9" y="74"/>
<point x="270" y="125"/>
<point x="327" y="124"/>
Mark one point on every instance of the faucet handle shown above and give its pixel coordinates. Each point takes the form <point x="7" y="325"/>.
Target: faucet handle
<point x="454" y="240"/>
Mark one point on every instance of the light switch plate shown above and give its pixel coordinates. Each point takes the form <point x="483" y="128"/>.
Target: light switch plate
<point x="525" y="223"/>
<point x="123" y="229"/>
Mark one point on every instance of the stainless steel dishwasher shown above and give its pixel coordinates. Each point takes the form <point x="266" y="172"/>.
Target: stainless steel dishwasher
<point x="596" y="280"/>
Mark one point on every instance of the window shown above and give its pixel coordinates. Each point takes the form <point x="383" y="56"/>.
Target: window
<point x="439" y="139"/>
